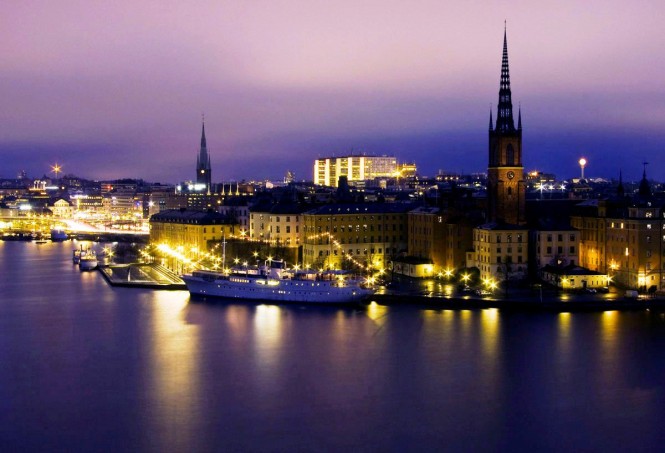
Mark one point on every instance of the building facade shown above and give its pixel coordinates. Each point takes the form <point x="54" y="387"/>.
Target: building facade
<point x="501" y="252"/>
<point x="356" y="168"/>
<point x="340" y="236"/>
<point x="189" y="229"/>
<point x="556" y="247"/>
<point x="427" y="235"/>
<point x="625" y="238"/>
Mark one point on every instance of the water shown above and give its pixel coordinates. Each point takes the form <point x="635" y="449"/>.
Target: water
<point x="85" y="367"/>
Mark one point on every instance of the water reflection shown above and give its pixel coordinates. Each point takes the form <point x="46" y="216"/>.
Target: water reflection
<point x="563" y="337"/>
<point x="175" y="372"/>
<point x="489" y="320"/>
<point x="237" y="319"/>
<point x="268" y="331"/>
<point x="376" y="312"/>
<point x="609" y="355"/>
<point x="86" y="365"/>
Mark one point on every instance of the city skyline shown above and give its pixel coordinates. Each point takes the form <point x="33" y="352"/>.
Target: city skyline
<point x="103" y="89"/>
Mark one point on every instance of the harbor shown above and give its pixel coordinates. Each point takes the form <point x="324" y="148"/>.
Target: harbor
<point x="180" y="376"/>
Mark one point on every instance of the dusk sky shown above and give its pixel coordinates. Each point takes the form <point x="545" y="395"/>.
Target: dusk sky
<point x="116" y="89"/>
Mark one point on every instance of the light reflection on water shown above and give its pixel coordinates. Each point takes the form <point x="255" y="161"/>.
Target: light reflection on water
<point x="267" y="335"/>
<point x="86" y="365"/>
<point x="174" y="387"/>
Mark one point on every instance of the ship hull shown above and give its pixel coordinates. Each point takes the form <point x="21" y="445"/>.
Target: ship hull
<point x="279" y="291"/>
<point x="88" y="264"/>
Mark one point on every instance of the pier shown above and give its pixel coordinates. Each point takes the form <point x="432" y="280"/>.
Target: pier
<point x="142" y="275"/>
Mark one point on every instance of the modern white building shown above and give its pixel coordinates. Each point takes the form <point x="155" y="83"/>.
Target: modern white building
<point x="356" y="168"/>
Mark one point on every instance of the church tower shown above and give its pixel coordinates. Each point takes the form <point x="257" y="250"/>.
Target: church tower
<point x="203" y="175"/>
<point x="506" y="187"/>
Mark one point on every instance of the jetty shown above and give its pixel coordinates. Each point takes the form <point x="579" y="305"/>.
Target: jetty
<point x="142" y="275"/>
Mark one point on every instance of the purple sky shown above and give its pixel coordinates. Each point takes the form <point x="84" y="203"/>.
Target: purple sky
<point x="116" y="89"/>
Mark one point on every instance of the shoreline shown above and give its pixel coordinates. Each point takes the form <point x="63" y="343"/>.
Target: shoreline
<point x="548" y="306"/>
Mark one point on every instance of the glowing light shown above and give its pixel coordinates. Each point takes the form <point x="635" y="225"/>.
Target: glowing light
<point x="57" y="169"/>
<point x="582" y="163"/>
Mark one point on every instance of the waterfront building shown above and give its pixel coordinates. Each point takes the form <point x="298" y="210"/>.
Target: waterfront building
<point x="61" y="208"/>
<point x="278" y="223"/>
<point x="443" y="233"/>
<point x="624" y="237"/>
<point x="328" y="170"/>
<point x="348" y="235"/>
<point x="427" y="233"/>
<point x="555" y="245"/>
<point x="574" y="277"/>
<point x="286" y="223"/>
<point x="259" y="220"/>
<point x="413" y="267"/>
<point x="501" y="251"/>
<point x="189" y="229"/>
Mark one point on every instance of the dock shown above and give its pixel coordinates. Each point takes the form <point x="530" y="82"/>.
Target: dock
<point x="142" y="275"/>
<point x="550" y="305"/>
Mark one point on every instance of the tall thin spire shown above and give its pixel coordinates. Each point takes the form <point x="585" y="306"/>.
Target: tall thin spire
<point x="519" y="118"/>
<point x="203" y="132"/>
<point x="203" y="160"/>
<point x="491" y="122"/>
<point x="504" y="118"/>
<point x="645" y="188"/>
<point x="620" y="190"/>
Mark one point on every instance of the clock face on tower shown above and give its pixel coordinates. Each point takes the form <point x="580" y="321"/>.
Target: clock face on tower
<point x="510" y="174"/>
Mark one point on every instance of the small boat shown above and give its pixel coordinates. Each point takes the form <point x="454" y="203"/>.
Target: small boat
<point x="88" y="260"/>
<point x="58" y="234"/>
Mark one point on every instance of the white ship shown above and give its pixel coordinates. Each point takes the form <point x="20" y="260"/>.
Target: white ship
<point x="274" y="283"/>
<point x="88" y="260"/>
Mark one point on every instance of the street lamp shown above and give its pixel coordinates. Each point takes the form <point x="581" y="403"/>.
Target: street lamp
<point x="57" y="169"/>
<point x="582" y="163"/>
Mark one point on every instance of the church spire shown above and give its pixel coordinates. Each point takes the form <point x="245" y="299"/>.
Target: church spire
<point x="504" y="118"/>
<point x="491" y="122"/>
<point x="203" y="133"/>
<point x="203" y="175"/>
<point x="645" y="188"/>
<point x="519" y="118"/>
<point x="621" y="192"/>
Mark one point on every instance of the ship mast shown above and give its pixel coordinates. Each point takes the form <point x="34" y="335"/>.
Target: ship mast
<point x="224" y="254"/>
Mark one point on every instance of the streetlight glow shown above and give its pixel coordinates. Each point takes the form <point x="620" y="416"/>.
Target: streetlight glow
<point x="582" y="163"/>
